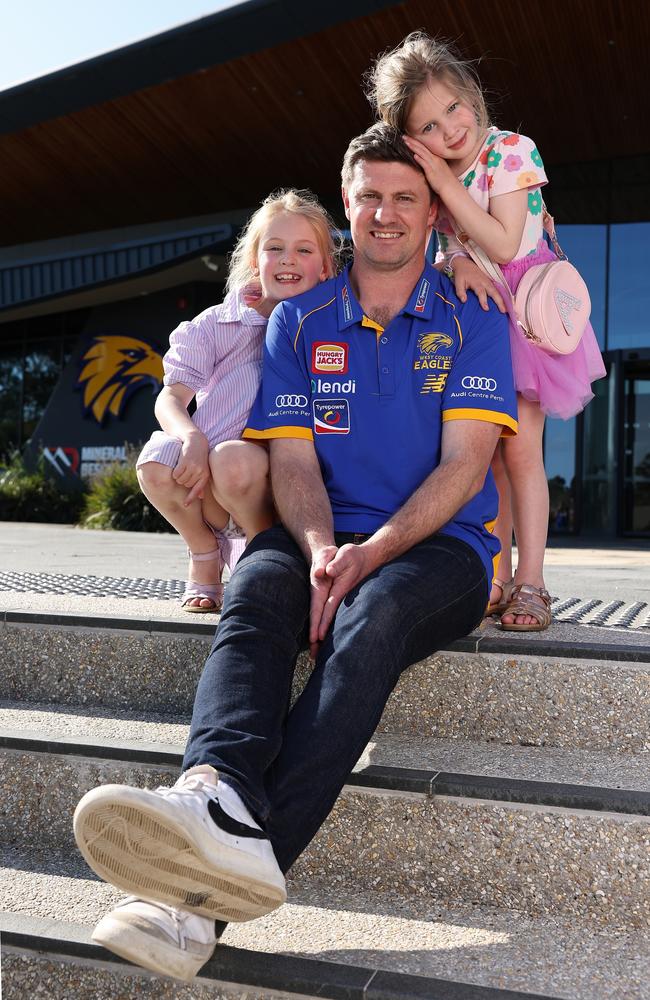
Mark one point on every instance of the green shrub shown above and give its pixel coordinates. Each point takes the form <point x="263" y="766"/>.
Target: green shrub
<point x="114" y="500"/>
<point x="36" y="495"/>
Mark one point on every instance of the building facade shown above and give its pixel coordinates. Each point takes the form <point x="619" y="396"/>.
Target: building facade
<point x="127" y="179"/>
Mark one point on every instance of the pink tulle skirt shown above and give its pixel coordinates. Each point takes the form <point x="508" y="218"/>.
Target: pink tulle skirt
<point x="560" y="383"/>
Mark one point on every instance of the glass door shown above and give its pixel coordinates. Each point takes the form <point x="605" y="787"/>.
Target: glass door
<point x="636" y="449"/>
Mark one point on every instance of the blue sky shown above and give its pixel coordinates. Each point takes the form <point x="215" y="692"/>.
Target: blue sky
<point x="39" y="36"/>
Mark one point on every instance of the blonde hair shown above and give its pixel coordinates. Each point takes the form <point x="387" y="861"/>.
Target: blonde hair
<point x="398" y="75"/>
<point x="243" y="259"/>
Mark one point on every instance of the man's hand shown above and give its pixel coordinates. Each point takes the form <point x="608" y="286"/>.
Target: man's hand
<point x="345" y="568"/>
<point x="321" y="584"/>
<point x="192" y="470"/>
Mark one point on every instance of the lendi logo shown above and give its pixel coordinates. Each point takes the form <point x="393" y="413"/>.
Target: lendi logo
<point x="113" y="368"/>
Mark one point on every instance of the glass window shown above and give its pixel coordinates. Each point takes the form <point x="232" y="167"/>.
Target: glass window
<point x="559" y="461"/>
<point x="599" y="451"/>
<point x="42" y="368"/>
<point x="586" y="248"/>
<point x="629" y="288"/>
<point x="11" y="388"/>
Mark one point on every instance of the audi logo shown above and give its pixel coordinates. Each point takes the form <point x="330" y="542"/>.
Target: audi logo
<point x="478" y="382"/>
<point x="290" y="400"/>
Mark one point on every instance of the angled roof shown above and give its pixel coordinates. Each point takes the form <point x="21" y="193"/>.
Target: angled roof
<point x="230" y="33"/>
<point x="211" y="116"/>
<point x="39" y="278"/>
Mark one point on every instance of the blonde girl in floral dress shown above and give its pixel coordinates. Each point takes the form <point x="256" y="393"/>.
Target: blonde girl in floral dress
<point x="489" y="184"/>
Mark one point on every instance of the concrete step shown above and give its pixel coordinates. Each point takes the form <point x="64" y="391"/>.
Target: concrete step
<point x="581" y="689"/>
<point x="531" y="833"/>
<point x="326" y="942"/>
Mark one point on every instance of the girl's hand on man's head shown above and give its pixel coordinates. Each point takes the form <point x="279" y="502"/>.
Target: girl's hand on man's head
<point x="436" y="169"/>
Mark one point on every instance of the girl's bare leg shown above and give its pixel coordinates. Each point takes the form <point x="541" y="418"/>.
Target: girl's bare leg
<point x="524" y="464"/>
<point x="503" y="524"/>
<point x="240" y="484"/>
<point x="161" y="489"/>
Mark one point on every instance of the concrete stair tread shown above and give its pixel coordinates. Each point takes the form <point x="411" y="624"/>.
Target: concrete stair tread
<point x="167" y="616"/>
<point x="587" y="695"/>
<point x="52" y="894"/>
<point x="138" y="732"/>
<point x="542" y="847"/>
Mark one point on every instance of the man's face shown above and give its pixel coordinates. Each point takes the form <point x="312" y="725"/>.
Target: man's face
<point x="390" y="212"/>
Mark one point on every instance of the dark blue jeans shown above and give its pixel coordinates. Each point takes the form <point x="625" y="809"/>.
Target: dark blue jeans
<point x="289" y="767"/>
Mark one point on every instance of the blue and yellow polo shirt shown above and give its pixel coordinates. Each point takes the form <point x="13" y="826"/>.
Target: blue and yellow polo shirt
<point x="374" y="400"/>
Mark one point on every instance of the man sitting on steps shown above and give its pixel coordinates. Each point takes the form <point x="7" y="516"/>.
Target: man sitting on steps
<point x="383" y="397"/>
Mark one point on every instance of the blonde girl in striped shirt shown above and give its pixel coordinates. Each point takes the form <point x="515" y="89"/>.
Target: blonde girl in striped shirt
<point x="211" y="486"/>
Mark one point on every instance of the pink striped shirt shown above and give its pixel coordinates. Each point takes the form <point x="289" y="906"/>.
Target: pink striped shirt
<point x="218" y="354"/>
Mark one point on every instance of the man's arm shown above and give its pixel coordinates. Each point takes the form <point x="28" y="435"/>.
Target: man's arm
<point x="467" y="448"/>
<point x="306" y="512"/>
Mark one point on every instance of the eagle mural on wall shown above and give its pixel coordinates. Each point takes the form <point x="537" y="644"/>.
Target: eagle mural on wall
<point x="112" y="369"/>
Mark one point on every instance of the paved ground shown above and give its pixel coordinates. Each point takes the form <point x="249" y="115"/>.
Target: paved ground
<point x="620" y="571"/>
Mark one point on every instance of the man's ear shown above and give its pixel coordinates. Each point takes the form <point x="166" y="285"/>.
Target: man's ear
<point x="346" y="203"/>
<point x="433" y="211"/>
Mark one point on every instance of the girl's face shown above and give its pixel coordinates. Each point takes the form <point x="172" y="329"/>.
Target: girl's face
<point x="445" y="124"/>
<point x="289" y="257"/>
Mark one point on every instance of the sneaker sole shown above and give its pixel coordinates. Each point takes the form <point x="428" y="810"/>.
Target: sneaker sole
<point x="128" y="941"/>
<point x="138" y="842"/>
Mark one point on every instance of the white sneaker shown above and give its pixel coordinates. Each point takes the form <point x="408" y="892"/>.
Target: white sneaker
<point x="157" y="937"/>
<point x="182" y="847"/>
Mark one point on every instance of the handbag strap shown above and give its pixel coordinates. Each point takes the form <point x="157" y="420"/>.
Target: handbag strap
<point x="494" y="272"/>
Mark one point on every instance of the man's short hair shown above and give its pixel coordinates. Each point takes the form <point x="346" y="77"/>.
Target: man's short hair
<point x="379" y="143"/>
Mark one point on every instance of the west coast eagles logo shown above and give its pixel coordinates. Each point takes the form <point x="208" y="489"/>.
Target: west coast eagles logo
<point x="112" y="369"/>
<point x="429" y="343"/>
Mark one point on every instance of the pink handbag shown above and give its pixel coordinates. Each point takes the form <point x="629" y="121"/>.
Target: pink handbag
<point x="553" y="306"/>
<point x="552" y="301"/>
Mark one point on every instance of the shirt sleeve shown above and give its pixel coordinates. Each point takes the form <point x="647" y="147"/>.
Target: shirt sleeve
<point x="513" y="162"/>
<point x="480" y="384"/>
<point x="192" y="355"/>
<point x="282" y="406"/>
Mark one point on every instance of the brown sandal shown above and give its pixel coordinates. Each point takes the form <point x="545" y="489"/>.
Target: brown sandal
<point x="506" y="595"/>
<point x="522" y="605"/>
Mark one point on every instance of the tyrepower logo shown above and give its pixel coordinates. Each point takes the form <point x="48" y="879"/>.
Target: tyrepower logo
<point x="331" y="416"/>
<point x="329" y="357"/>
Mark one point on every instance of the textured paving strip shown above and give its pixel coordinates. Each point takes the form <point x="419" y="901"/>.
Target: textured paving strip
<point x="576" y="610"/>
<point x="379" y="931"/>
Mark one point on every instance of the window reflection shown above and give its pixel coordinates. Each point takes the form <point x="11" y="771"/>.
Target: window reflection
<point x="42" y="367"/>
<point x="586" y="248"/>
<point x="599" y="459"/>
<point x="11" y="388"/>
<point x="559" y="461"/>
<point x="629" y="288"/>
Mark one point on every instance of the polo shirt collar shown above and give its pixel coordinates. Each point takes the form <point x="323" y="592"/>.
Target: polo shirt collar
<point x="348" y="309"/>
<point x="421" y="301"/>
<point x="234" y="310"/>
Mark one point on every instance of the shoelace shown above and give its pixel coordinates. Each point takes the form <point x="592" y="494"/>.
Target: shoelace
<point x="189" y="787"/>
